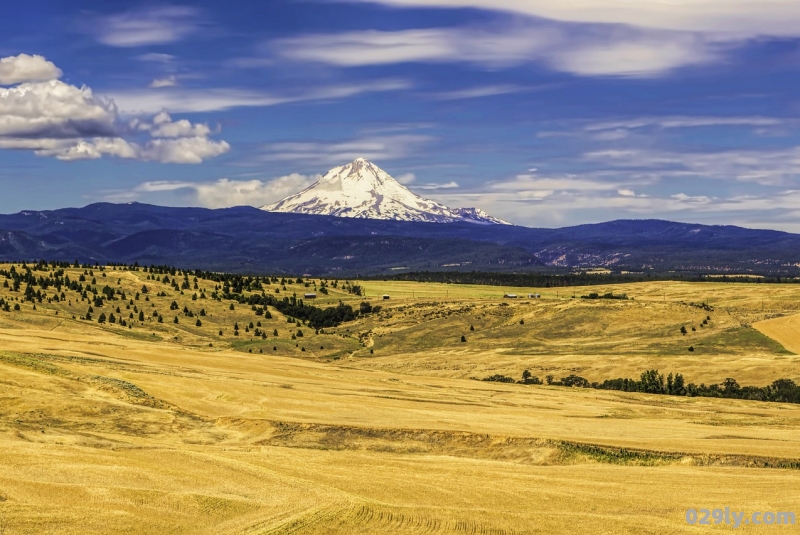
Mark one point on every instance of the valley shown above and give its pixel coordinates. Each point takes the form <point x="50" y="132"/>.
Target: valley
<point x="377" y="425"/>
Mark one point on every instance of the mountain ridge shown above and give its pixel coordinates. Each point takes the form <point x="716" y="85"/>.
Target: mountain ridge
<point x="246" y="239"/>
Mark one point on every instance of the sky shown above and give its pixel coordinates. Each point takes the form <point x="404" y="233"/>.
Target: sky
<point x="543" y="113"/>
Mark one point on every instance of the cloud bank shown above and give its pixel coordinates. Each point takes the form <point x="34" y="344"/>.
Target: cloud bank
<point x="222" y="193"/>
<point x="52" y="118"/>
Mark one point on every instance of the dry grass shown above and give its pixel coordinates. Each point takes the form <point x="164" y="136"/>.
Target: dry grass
<point x="105" y="429"/>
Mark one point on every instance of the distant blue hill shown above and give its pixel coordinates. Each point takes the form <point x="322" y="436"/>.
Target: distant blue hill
<point x="245" y="239"/>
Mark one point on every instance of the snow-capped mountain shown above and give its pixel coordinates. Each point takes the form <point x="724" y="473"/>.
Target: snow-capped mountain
<point x="361" y="189"/>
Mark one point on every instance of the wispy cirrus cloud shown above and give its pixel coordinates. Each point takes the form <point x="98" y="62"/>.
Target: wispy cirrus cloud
<point x="376" y="147"/>
<point x="686" y="122"/>
<point x="729" y="18"/>
<point x="193" y="100"/>
<point x="598" y="51"/>
<point x="766" y="167"/>
<point x="373" y="47"/>
<point x="434" y="187"/>
<point x="156" y="57"/>
<point x="148" y="26"/>
<point x="169" y="81"/>
<point x="479" y="92"/>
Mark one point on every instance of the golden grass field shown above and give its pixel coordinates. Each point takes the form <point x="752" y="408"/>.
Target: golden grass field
<point x="172" y="428"/>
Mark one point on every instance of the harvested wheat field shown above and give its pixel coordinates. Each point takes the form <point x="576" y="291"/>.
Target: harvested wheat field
<point x="202" y="415"/>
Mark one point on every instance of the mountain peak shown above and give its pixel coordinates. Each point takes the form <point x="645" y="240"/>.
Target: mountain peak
<point x="361" y="189"/>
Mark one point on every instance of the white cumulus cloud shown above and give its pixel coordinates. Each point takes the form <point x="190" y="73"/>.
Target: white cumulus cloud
<point x="183" y="150"/>
<point x="56" y="119"/>
<point x="92" y="149"/>
<point x="27" y="68"/>
<point x="54" y="109"/>
<point x="164" y="126"/>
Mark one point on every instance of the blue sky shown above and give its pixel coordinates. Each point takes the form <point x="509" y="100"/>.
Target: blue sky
<point x="542" y="113"/>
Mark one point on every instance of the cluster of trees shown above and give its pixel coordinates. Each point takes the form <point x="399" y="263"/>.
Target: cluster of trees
<point x="229" y="286"/>
<point x="354" y="289"/>
<point x="653" y="382"/>
<point x="527" y="379"/>
<point x="702" y="324"/>
<point x="366" y="308"/>
<point x="53" y="285"/>
<point x="316" y="317"/>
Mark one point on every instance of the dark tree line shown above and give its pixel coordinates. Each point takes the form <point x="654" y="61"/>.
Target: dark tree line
<point x="653" y="382"/>
<point x="553" y="280"/>
<point x="609" y="295"/>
